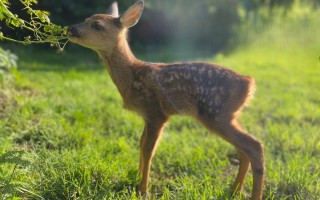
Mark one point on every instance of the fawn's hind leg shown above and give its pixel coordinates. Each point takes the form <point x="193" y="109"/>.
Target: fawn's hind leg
<point x="250" y="151"/>
<point x="242" y="173"/>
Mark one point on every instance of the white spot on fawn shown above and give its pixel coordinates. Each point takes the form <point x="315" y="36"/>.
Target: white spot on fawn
<point x="136" y="85"/>
<point x="210" y="73"/>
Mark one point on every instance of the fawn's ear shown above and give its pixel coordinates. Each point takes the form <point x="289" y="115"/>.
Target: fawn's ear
<point x="132" y="15"/>
<point x="113" y="10"/>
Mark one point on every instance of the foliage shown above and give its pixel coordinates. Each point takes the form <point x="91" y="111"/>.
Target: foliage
<point x="255" y="5"/>
<point x="201" y="25"/>
<point x="8" y="60"/>
<point x="283" y="23"/>
<point x="184" y="24"/>
<point x="70" y="12"/>
<point x="205" y="24"/>
<point x="8" y="64"/>
<point x="43" y="30"/>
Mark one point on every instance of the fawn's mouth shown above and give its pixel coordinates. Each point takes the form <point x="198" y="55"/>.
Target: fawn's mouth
<point x="73" y="32"/>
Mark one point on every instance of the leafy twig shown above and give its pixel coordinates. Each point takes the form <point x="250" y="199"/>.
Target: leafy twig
<point x="40" y="25"/>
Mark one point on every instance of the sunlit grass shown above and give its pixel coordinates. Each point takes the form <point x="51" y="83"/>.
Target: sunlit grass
<point x="285" y="112"/>
<point x="65" y="135"/>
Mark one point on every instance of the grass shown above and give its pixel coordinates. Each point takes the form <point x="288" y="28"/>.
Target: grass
<point x="65" y="135"/>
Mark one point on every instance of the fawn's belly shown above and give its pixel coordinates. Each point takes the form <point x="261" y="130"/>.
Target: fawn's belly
<point x="194" y="100"/>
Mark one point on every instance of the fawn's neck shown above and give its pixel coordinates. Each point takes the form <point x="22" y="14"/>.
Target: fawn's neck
<point x="120" y="63"/>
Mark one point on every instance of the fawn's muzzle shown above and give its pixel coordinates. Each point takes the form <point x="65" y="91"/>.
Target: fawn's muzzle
<point x="73" y="31"/>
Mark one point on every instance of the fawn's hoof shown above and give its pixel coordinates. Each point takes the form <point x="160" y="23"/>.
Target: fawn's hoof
<point x="141" y="193"/>
<point x="239" y="193"/>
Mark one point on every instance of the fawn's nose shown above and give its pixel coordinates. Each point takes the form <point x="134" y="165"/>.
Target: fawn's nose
<point x="73" y="31"/>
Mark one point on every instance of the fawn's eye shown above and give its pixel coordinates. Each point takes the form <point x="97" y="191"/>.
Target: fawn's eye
<point x="97" y="27"/>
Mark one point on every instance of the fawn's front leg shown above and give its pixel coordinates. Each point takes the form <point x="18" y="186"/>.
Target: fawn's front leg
<point x="148" y="145"/>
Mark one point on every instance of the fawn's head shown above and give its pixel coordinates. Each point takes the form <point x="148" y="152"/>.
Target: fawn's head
<point x="103" y="31"/>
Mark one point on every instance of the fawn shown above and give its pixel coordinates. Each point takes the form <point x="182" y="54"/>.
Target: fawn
<point x="211" y="94"/>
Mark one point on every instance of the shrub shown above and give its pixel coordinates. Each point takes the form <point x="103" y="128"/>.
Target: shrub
<point x="8" y="61"/>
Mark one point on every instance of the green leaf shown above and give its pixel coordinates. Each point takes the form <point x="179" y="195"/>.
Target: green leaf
<point x="27" y="40"/>
<point x="57" y="30"/>
<point x="47" y="28"/>
<point x="30" y="11"/>
<point x="42" y="15"/>
<point x="16" y="22"/>
<point x="29" y="2"/>
<point x="65" y="30"/>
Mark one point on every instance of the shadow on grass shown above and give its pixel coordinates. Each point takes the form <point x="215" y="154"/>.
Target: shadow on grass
<point x="7" y="183"/>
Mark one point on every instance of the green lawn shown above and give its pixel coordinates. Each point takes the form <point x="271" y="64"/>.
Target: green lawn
<point x="65" y="135"/>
